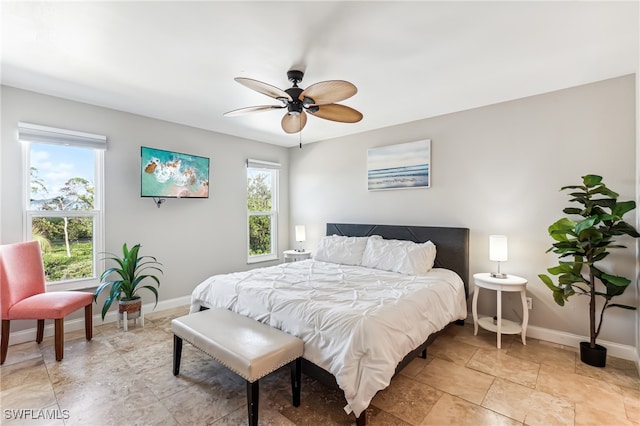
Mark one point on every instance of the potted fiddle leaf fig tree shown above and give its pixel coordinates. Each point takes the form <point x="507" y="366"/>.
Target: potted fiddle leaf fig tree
<point x="581" y="245"/>
<point x="127" y="278"/>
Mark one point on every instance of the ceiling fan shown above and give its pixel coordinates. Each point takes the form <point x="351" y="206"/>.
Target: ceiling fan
<point x="318" y="99"/>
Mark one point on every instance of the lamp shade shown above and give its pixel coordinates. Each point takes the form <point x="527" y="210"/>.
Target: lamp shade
<point x="498" y="248"/>
<point x="300" y="233"/>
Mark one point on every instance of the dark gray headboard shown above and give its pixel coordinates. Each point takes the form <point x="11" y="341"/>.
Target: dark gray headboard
<point x="452" y="244"/>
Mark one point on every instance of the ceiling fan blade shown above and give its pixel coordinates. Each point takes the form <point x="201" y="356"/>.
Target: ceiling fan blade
<point x="294" y="123"/>
<point x="328" y="92"/>
<point x="337" y="112"/>
<point x="264" y="88"/>
<point x="248" y="110"/>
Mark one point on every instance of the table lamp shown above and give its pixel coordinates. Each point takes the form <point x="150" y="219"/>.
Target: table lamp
<point x="498" y="252"/>
<point x="300" y="236"/>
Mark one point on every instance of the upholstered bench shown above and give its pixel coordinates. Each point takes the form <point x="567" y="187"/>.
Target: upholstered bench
<point x="245" y="346"/>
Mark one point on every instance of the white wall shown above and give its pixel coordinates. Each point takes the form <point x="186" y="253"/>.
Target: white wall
<point x="192" y="238"/>
<point x="496" y="169"/>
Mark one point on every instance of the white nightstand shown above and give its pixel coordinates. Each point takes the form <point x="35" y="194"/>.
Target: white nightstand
<point x="511" y="283"/>
<point x="295" y="255"/>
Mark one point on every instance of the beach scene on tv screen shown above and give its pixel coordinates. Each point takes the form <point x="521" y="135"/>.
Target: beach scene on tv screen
<point x="172" y="174"/>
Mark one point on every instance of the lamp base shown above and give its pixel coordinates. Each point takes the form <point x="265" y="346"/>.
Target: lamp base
<point x="498" y="275"/>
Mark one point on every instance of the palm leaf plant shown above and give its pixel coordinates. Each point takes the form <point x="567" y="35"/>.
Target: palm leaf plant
<point x="126" y="279"/>
<point x="581" y="244"/>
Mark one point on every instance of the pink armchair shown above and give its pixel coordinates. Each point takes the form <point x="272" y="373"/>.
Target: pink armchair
<point x="24" y="296"/>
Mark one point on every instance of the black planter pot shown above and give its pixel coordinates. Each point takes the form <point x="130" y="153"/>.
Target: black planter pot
<point x="596" y="357"/>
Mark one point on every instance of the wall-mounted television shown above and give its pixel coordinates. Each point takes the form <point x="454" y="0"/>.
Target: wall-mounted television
<point x="169" y="174"/>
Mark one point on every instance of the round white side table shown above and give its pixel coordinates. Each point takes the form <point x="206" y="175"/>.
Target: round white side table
<point x="295" y="255"/>
<point x="510" y="284"/>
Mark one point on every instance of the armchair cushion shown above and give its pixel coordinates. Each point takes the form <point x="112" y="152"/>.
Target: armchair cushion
<point x="51" y="305"/>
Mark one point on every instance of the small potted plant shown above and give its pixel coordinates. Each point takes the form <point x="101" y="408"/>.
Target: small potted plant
<point x="126" y="279"/>
<point x="581" y="245"/>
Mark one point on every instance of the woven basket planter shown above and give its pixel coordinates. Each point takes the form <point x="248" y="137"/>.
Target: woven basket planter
<point x="131" y="307"/>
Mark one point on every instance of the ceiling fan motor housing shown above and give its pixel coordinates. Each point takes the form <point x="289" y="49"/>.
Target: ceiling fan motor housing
<point x="295" y="106"/>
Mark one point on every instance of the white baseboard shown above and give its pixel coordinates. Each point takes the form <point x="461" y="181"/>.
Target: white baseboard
<point x="29" y="335"/>
<point x="554" y="336"/>
<point x="573" y="340"/>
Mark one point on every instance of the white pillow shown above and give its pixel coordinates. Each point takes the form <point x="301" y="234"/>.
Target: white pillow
<point x="340" y="249"/>
<point x="405" y="257"/>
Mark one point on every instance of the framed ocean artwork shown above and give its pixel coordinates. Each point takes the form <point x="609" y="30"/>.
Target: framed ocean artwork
<point x="400" y="166"/>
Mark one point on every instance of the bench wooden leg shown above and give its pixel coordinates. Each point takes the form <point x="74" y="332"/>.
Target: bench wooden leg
<point x="177" y="354"/>
<point x="252" y="402"/>
<point x="296" y="379"/>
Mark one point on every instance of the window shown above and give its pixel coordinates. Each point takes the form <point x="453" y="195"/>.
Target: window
<point x="63" y="195"/>
<point x="262" y="210"/>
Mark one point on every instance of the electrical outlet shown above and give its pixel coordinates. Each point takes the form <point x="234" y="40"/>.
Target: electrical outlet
<point x="529" y="302"/>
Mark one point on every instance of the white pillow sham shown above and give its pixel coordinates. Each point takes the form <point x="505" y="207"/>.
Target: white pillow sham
<point x="341" y="249"/>
<point x="405" y="257"/>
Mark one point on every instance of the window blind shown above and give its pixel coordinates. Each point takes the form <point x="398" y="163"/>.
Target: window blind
<point x="28" y="132"/>
<point x="259" y="164"/>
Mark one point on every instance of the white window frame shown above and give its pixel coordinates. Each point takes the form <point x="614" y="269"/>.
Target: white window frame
<point x="272" y="168"/>
<point x="28" y="133"/>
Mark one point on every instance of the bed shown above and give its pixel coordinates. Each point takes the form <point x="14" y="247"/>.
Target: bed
<point x="360" y="324"/>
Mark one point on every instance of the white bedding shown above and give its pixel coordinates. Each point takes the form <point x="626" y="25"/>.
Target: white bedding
<point x="357" y="323"/>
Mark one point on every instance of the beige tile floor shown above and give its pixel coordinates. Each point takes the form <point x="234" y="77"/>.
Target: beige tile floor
<point x="125" y="378"/>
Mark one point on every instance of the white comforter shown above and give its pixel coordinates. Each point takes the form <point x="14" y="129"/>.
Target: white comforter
<point x="357" y="323"/>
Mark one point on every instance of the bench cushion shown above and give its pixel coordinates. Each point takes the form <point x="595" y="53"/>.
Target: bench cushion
<point x="243" y="345"/>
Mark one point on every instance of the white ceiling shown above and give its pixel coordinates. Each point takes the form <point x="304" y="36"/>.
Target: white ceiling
<point x="176" y="61"/>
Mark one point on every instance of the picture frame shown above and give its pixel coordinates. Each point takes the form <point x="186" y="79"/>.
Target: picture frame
<point x="400" y="166"/>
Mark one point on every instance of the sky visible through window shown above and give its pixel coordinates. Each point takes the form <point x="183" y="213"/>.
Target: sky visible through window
<point x="56" y="164"/>
<point x="254" y="173"/>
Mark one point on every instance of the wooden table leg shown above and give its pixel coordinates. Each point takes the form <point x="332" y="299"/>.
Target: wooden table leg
<point x="525" y="316"/>
<point x="474" y="310"/>
<point x="499" y="323"/>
